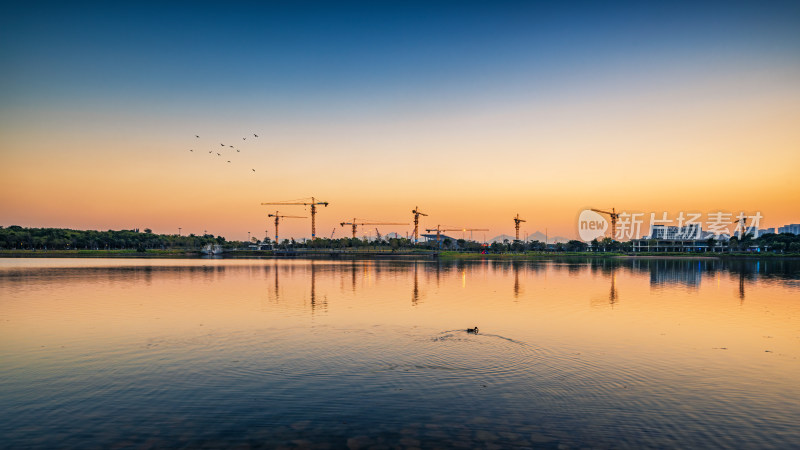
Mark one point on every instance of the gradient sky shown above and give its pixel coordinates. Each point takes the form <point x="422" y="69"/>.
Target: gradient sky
<point x="473" y="112"/>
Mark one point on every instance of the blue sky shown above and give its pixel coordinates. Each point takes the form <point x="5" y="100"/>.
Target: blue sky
<point x="104" y="98"/>
<point x="279" y="51"/>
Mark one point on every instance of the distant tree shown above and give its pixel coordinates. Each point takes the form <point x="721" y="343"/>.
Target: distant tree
<point x="148" y="231"/>
<point x="576" y="246"/>
<point x="536" y="246"/>
<point x="711" y="243"/>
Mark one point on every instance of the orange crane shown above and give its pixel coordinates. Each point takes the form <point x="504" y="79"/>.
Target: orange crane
<point x="355" y="223"/>
<point x="303" y="202"/>
<point x="614" y="215"/>
<point x="740" y="226"/>
<point x="278" y="217"/>
<point x="517" y="220"/>
<point x="417" y="213"/>
<point x="439" y="230"/>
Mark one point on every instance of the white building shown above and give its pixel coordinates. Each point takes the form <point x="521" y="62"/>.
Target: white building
<point x="689" y="231"/>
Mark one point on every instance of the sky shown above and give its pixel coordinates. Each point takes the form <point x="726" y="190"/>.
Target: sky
<point x="472" y="111"/>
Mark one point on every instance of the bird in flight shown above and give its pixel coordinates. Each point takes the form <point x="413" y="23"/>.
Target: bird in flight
<point x="230" y="146"/>
<point x="209" y="151"/>
<point x="237" y="150"/>
<point x="191" y="150"/>
<point x="218" y="154"/>
<point x="222" y="145"/>
<point x="228" y="161"/>
<point x="244" y="139"/>
<point x="253" y="170"/>
<point x="198" y="137"/>
<point x="255" y="135"/>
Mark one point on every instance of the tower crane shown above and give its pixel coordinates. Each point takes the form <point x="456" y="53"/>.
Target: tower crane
<point x="417" y="213"/>
<point x="517" y="220"/>
<point x="278" y="217"/>
<point x="741" y="226"/>
<point x="355" y="223"/>
<point x="439" y="230"/>
<point x="614" y="215"/>
<point x="304" y="202"/>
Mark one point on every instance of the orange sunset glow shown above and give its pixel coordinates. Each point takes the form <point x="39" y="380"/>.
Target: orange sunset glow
<point x="704" y="127"/>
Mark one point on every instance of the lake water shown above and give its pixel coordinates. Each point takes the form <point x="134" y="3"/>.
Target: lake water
<point x="604" y="353"/>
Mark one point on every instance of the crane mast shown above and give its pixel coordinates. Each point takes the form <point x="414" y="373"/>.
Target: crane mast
<point x="614" y="215"/>
<point x="313" y="203"/>
<point x="417" y="213"/>
<point x="517" y="220"/>
<point x="277" y="217"/>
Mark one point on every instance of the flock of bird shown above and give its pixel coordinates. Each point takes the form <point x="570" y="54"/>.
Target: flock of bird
<point x="220" y="152"/>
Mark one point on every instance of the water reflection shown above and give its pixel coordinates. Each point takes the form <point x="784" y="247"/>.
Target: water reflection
<point x="119" y="353"/>
<point x="675" y="272"/>
<point x="612" y="295"/>
<point x="661" y="273"/>
<point x="415" y="291"/>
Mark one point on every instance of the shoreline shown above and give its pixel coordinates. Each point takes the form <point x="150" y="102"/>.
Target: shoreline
<point x="334" y="254"/>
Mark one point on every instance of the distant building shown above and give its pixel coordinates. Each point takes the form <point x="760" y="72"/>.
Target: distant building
<point x="793" y="228"/>
<point x="678" y="245"/>
<point x="689" y="231"/>
<point x="451" y="242"/>
<point x="688" y="238"/>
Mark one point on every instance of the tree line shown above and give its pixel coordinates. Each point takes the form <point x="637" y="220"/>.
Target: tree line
<point x="19" y="238"/>
<point x="455" y="245"/>
<point x="775" y="243"/>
